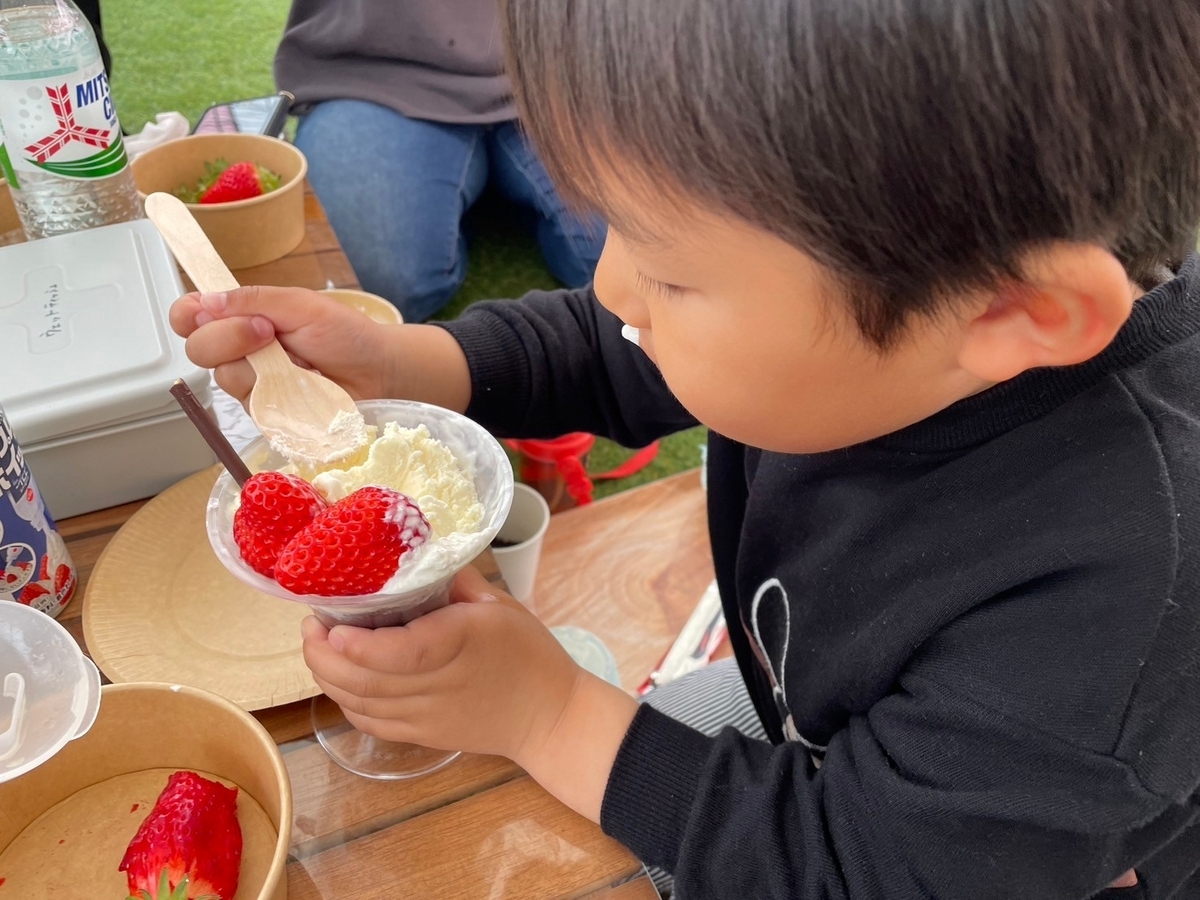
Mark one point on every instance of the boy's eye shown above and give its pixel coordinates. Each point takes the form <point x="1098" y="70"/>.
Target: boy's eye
<point x="659" y="287"/>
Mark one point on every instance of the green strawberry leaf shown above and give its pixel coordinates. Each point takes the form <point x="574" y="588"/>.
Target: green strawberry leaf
<point x="212" y="171"/>
<point x="268" y="179"/>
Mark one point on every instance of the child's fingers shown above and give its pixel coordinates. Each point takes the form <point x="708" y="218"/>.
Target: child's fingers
<point x="311" y="628"/>
<point x="236" y="379"/>
<point x="226" y="340"/>
<point x="471" y="587"/>
<point x="371" y="662"/>
<point x="287" y="308"/>
<point x="332" y="670"/>
<point x="182" y="314"/>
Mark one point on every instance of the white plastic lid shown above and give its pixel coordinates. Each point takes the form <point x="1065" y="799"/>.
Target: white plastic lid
<point x="49" y="691"/>
<point x="85" y="340"/>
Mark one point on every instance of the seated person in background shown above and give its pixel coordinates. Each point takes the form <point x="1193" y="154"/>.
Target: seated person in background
<point x="405" y="117"/>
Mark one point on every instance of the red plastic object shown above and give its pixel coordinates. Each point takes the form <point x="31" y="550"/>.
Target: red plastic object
<point x="557" y="467"/>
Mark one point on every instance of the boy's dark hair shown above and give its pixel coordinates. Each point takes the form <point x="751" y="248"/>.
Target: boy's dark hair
<point x="914" y="147"/>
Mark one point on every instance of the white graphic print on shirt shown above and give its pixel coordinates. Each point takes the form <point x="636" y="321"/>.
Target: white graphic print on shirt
<point x="769" y="599"/>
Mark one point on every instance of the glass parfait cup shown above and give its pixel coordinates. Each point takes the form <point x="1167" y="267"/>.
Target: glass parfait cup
<point x="432" y="569"/>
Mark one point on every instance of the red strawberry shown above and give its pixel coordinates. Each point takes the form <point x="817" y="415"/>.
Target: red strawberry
<point x="239" y="182"/>
<point x="64" y="583"/>
<point x="44" y="569"/>
<point x="189" y="846"/>
<point x="353" y="547"/>
<point x="274" y="507"/>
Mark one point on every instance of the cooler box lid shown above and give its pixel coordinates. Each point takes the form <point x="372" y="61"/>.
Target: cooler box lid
<point x="85" y="341"/>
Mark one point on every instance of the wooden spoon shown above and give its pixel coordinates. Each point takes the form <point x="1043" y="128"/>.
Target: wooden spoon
<point x="304" y="415"/>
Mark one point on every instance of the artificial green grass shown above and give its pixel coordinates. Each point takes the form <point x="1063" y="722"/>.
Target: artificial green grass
<point x="186" y="55"/>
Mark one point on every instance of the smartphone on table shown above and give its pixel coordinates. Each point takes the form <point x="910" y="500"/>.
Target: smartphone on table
<point x="259" y="115"/>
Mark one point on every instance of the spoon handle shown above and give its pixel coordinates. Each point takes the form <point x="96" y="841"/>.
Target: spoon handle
<point x="205" y="267"/>
<point x="190" y="244"/>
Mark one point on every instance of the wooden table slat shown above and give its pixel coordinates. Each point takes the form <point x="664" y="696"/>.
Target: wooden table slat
<point x="333" y="806"/>
<point x="513" y="841"/>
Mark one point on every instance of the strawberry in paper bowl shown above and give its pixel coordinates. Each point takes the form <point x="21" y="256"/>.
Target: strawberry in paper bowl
<point x="189" y="846"/>
<point x="378" y="541"/>
<point x="245" y="190"/>
<point x="173" y="792"/>
<point x="225" y="182"/>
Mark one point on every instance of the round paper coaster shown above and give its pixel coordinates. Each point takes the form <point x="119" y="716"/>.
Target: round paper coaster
<point x="161" y="607"/>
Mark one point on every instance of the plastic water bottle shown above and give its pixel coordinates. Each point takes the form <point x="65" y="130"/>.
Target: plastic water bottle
<point x="60" y="142"/>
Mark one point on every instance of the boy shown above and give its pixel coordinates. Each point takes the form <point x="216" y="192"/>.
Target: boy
<point x="925" y="269"/>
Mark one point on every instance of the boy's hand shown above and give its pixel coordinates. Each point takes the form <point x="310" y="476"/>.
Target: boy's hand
<point x="482" y="675"/>
<point x="413" y="362"/>
<point x="318" y="332"/>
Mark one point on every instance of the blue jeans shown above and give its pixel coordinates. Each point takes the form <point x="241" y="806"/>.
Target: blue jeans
<point x="395" y="190"/>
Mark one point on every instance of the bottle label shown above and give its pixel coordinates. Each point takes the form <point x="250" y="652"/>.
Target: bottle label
<point x="65" y="125"/>
<point x="35" y="565"/>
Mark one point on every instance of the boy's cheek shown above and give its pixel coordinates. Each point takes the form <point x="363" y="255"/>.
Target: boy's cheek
<point x="646" y="343"/>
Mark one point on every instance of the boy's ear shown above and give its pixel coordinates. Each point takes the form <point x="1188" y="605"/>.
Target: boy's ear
<point x="1069" y="306"/>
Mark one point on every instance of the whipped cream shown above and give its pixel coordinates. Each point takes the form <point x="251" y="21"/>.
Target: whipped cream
<point x="345" y="438"/>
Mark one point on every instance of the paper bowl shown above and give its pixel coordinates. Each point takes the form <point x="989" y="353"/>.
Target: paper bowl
<point x="246" y="232"/>
<point x="372" y="306"/>
<point x="64" y="826"/>
<point x="479" y="454"/>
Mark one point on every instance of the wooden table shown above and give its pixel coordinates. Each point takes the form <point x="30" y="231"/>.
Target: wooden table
<point x="629" y="568"/>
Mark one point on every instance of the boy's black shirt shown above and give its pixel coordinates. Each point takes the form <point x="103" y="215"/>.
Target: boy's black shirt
<point x="975" y="642"/>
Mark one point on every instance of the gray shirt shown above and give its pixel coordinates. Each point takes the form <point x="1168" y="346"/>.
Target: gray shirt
<point x="440" y="60"/>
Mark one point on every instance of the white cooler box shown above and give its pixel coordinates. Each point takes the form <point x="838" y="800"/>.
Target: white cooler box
<point x="87" y="359"/>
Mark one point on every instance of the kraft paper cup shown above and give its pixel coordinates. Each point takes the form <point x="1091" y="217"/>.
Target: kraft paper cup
<point x="67" y="823"/>
<point x="372" y="306"/>
<point x="245" y="232"/>
<point x="525" y="529"/>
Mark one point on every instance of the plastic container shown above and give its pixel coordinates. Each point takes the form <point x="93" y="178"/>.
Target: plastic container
<point x="87" y="358"/>
<point x="557" y="467"/>
<point x="477" y="452"/>
<point x="65" y="825"/>
<point x="246" y="232"/>
<point x="64" y="155"/>
<point x="49" y="691"/>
